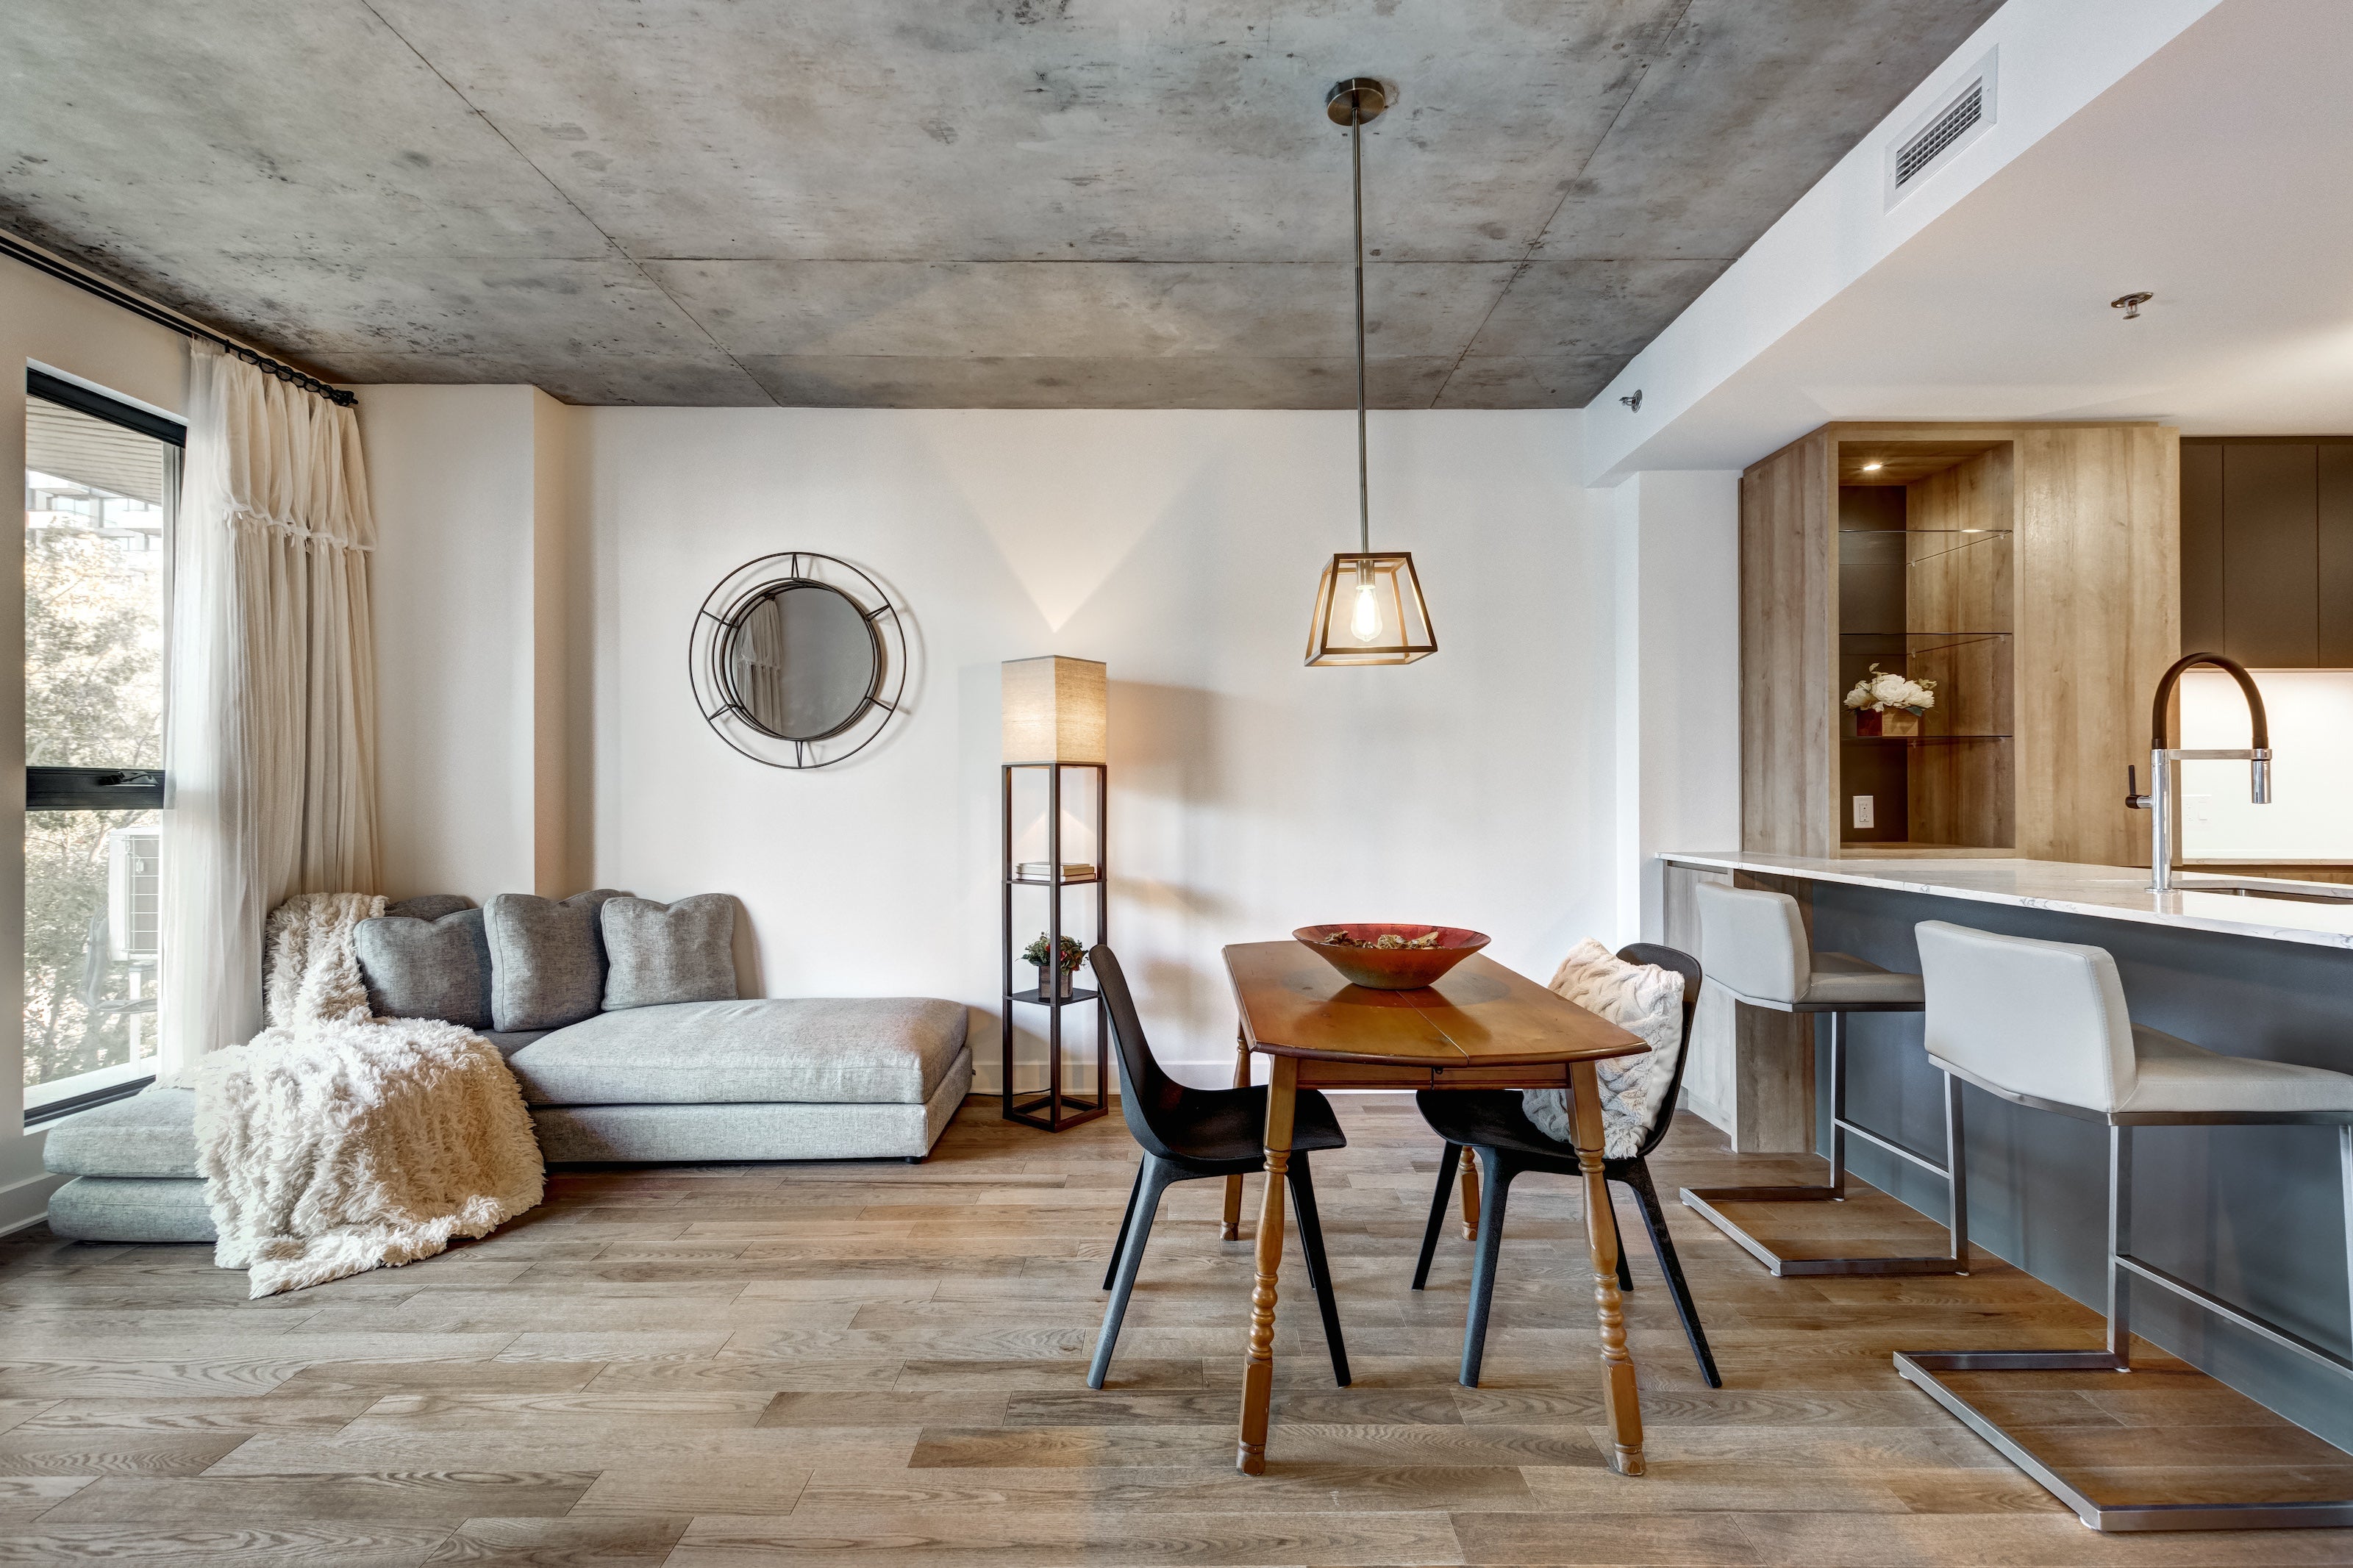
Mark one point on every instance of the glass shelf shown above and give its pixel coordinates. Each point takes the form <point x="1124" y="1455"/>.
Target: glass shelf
<point x="1918" y="740"/>
<point x="1902" y="530"/>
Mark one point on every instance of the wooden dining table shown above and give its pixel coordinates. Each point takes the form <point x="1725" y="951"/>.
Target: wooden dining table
<point x="1480" y="1026"/>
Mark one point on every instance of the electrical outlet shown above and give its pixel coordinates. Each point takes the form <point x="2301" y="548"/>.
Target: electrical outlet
<point x="1866" y="813"/>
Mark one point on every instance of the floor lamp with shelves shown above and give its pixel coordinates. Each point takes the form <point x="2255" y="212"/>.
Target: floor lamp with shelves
<point x="1054" y="728"/>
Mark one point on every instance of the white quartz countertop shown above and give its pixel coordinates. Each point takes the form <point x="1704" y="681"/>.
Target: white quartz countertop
<point x="2105" y="892"/>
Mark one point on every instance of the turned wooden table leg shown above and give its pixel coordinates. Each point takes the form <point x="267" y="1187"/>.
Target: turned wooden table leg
<point x="1258" y="1371"/>
<point x="1470" y="1197"/>
<point x="1621" y="1403"/>
<point x="1231" y="1229"/>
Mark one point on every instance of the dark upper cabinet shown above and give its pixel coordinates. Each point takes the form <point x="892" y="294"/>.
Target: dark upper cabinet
<point x="2267" y="551"/>
<point x="2335" y="577"/>
<point x="2203" y="629"/>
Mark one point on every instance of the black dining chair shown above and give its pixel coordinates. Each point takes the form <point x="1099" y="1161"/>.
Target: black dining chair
<point x="1491" y="1123"/>
<point x="1191" y="1134"/>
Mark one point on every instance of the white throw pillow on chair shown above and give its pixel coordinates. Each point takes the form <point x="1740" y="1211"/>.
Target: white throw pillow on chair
<point x="1644" y="1000"/>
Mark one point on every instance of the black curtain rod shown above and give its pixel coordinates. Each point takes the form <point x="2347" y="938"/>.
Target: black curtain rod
<point x="113" y="294"/>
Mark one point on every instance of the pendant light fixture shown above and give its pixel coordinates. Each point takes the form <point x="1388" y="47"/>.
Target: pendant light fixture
<point x="1368" y="608"/>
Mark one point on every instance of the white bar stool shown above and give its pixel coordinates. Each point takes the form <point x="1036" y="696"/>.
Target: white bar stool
<point x="1754" y="944"/>
<point x="2043" y="1023"/>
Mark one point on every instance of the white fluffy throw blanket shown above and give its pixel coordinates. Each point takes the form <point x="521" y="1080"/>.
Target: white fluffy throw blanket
<point x="1641" y="999"/>
<point x="335" y="1143"/>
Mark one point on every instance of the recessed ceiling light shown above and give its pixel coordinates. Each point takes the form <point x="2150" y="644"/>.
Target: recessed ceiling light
<point x="1873" y="467"/>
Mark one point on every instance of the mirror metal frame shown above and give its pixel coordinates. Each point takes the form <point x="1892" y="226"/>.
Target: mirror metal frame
<point x="720" y="620"/>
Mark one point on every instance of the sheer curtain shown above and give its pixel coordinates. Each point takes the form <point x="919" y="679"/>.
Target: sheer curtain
<point x="270" y="737"/>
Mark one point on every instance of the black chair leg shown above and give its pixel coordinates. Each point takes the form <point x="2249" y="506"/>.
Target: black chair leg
<point x="1152" y="1180"/>
<point x="1447" y="1162"/>
<point x="1496" y="1174"/>
<point x="1625" y="1270"/>
<point x="1111" y="1269"/>
<point x="1319" y="1267"/>
<point x="1637" y="1177"/>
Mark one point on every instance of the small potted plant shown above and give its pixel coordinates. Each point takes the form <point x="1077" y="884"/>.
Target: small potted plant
<point x="1886" y="703"/>
<point x="1073" y="955"/>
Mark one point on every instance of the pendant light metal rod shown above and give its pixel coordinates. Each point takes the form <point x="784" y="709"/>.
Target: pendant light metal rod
<point x="1356" y="178"/>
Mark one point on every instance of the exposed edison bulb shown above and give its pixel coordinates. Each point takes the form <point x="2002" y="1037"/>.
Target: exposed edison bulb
<point x="1364" y="622"/>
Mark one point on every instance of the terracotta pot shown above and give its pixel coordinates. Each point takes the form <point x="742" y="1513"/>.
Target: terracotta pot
<point x="1866" y="721"/>
<point x="1391" y="968"/>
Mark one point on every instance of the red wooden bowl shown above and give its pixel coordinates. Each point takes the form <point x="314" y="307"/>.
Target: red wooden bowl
<point x="1390" y="968"/>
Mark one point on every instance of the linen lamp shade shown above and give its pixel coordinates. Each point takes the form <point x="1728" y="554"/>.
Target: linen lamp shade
<point x="1054" y="710"/>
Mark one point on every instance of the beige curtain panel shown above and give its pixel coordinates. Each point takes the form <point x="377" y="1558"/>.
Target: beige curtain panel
<point x="270" y="737"/>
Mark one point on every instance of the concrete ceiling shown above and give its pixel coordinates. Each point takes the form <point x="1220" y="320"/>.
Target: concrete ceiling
<point x="926" y="203"/>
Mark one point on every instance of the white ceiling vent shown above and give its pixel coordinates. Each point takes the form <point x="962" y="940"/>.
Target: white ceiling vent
<point x="1937" y="136"/>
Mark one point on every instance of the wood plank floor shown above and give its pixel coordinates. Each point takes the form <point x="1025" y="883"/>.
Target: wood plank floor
<point x="884" y="1365"/>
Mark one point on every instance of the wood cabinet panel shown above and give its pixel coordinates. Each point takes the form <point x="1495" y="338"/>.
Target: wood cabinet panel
<point x="1961" y="794"/>
<point x="2270" y="550"/>
<point x="1975" y="689"/>
<point x="1789" y="763"/>
<point x="2099" y="620"/>
<point x="1960" y="583"/>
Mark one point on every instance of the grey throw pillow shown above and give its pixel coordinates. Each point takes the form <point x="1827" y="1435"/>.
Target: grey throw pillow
<point x="547" y="959"/>
<point x="421" y="968"/>
<point x="659" y="953"/>
<point x="430" y="906"/>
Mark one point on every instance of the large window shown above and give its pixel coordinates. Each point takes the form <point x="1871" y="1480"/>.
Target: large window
<point x="100" y="482"/>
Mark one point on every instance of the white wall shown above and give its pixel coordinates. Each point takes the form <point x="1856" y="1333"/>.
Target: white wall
<point x="1675" y="542"/>
<point x="1250" y="795"/>
<point x="61" y="329"/>
<point x="476" y="588"/>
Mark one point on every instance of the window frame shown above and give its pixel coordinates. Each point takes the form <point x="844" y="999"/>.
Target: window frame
<point x="104" y="789"/>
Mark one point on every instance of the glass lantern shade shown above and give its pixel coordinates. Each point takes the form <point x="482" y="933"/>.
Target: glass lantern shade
<point x="1369" y="610"/>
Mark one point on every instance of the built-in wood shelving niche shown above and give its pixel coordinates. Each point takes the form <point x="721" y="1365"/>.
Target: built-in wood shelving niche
<point x="2028" y="569"/>
<point x="1925" y="589"/>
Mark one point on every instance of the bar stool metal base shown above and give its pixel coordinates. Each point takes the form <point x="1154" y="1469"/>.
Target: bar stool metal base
<point x="1702" y="1201"/>
<point x="1921" y="1368"/>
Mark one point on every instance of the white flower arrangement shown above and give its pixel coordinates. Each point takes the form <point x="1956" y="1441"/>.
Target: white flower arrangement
<point x="1883" y="688"/>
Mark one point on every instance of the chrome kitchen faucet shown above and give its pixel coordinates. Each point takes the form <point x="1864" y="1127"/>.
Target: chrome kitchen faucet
<point x="2159" y="802"/>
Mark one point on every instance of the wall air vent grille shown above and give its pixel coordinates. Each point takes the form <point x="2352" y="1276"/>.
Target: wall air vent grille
<point x="1942" y="132"/>
<point x="1958" y="117"/>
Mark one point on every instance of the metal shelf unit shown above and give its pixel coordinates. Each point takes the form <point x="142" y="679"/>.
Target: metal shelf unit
<point x="1056" y="1107"/>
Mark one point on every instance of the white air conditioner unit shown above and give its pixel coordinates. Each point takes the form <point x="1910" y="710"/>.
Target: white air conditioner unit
<point x="1958" y="117"/>
<point x="134" y="894"/>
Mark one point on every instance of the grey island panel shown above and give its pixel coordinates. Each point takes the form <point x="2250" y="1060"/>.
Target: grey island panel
<point x="2254" y="1214"/>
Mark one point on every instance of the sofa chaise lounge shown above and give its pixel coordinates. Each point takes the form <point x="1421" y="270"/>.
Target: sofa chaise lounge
<point x="635" y="1077"/>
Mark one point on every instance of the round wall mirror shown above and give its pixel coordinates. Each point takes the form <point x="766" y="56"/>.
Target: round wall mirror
<point x="798" y="660"/>
<point x="803" y="660"/>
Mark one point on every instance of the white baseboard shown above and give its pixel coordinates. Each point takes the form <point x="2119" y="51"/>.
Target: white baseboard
<point x="27" y="1202"/>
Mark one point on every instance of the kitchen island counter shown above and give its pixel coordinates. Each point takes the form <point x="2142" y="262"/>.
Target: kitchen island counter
<point x="2319" y="913"/>
<point x="2255" y="1214"/>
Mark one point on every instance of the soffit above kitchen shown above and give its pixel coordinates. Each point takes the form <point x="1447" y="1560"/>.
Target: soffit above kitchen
<point x="2204" y="177"/>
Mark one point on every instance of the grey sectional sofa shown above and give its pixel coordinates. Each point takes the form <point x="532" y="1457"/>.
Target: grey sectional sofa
<point x="716" y="1080"/>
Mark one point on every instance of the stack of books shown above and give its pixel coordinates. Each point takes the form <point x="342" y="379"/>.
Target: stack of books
<point x="1043" y="871"/>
